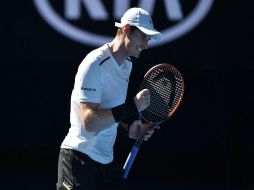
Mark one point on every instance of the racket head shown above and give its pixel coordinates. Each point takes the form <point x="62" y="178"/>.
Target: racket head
<point x="166" y="86"/>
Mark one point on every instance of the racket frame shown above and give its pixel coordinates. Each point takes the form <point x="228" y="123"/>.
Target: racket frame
<point x="135" y="148"/>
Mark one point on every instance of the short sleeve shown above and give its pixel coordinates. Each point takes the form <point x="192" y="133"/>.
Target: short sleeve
<point x="90" y="82"/>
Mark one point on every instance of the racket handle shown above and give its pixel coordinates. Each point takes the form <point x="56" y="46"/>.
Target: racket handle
<point x="130" y="159"/>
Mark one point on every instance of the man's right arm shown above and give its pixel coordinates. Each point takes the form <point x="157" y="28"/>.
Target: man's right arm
<point x="94" y="118"/>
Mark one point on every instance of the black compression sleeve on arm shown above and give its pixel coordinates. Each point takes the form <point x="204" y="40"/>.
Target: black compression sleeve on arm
<point x="125" y="111"/>
<point x="130" y="120"/>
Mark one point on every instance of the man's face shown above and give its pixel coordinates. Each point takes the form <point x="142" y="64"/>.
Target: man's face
<point x="136" y="42"/>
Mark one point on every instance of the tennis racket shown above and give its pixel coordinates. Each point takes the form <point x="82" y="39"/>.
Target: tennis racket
<point x="166" y="86"/>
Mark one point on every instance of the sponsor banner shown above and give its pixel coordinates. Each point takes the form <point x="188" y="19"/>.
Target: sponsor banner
<point x="76" y="19"/>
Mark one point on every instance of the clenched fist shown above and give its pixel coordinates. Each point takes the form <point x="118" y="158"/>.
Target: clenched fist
<point x="142" y="99"/>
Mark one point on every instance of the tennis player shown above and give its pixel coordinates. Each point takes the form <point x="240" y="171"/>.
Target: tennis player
<point x="99" y="107"/>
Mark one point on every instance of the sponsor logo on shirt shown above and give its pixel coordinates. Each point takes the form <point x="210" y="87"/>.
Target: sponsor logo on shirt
<point x="89" y="89"/>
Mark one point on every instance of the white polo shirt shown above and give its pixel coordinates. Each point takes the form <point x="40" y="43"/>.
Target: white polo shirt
<point x="99" y="80"/>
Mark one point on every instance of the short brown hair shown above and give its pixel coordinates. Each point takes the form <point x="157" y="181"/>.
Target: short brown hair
<point x="132" y="29"/>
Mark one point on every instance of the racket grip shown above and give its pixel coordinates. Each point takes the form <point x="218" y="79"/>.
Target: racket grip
<point x="130" y="159"/>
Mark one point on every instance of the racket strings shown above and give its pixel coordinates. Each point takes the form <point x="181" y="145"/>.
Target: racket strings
<point x="177" y="95"/>
<point x="166" y="88"/>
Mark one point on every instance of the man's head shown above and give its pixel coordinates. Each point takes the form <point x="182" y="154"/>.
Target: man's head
<point x="136" y="29"/>
<point x="141" y="19"/>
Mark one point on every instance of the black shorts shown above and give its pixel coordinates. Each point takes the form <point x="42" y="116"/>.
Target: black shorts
<point x="77" y="171"/>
